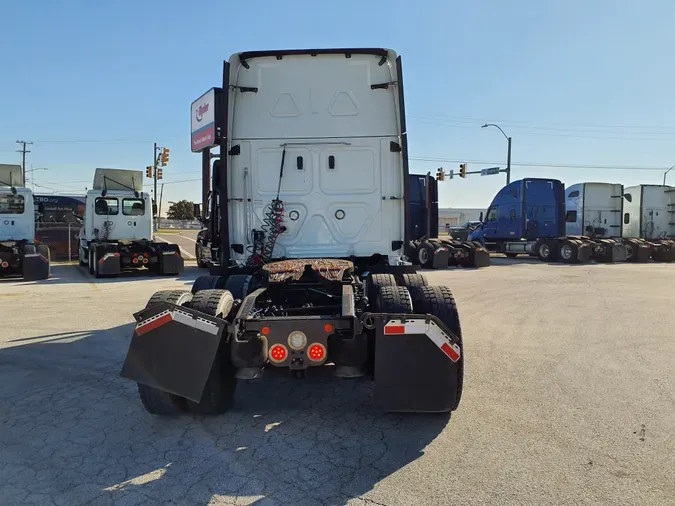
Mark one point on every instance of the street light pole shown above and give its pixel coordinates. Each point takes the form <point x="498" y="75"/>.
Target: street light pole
<point x="666" y="173"/>
<point x="508" y="153"/>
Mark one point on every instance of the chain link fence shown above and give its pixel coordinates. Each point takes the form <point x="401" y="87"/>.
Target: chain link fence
<point x="62" y="239"/>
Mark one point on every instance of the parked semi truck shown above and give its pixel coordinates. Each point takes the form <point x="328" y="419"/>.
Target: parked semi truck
<point x="20" y="254"/>
<point x="528" y="217"/>
<point x="649" y="216"/>
<point x="313" y="170"/>
<point x="117" y="230"/>
<point x="596" y="211"/>
<point x="429" y="250"/>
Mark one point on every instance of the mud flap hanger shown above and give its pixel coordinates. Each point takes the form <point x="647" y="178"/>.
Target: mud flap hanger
<point x="427" y="324"/>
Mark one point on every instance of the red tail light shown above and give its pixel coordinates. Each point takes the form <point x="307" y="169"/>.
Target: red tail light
<point x="278" y="353"/>
<point x="316" y="352"/>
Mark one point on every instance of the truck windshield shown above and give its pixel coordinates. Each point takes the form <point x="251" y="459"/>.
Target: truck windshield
<point x="11" y="204"/>
<point x="133" y="207"/>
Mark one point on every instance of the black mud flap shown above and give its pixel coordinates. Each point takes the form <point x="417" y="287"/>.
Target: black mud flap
<point x="108" y="260"/>
<point x="171" y="262"/>
<point x="481" y="257"/>
<point x="173" y="349"/>
<point x="441" y="258"/>
<point x="418" y="365"/>
<point x="476" y="256"/>
<point x="643" y="252"/>
<point x="584" y="252"/>
<point x="612" y="251"/>
<point x="35" y="266"/>
<point x="664" y="251"/>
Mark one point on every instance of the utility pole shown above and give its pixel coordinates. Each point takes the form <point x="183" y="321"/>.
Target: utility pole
<point x="23" y="151"/>
<point x="159" y="209"/>
<point x="154" y="170"/>
<point x="508" y="162"/>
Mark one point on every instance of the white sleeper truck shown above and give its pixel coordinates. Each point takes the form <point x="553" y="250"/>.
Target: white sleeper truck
<point x="117" y="233"/>
<point x="650" y="216"/>
<point x="20" y="255"/>
<point x="309" y="221"/>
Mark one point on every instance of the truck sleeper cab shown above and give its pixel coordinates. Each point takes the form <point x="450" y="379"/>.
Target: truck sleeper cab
<point x="650" y="218"/>
<point x="528" y="217"/>
<point x="309" y="219"/>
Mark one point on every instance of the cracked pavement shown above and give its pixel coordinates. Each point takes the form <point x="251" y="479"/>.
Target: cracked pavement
<point x="568" y="399"/>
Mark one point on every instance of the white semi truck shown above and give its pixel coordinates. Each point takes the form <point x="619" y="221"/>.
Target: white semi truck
<point x="117" y="233"/>
<point x="309" y="222"/>
<point x="650" y="215"/>
<point x="19" y="252"/>
<point x="638" y="219"/>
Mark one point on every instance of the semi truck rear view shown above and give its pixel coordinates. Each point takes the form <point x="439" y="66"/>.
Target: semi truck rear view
<point x="117" y="233"/>
<point x="308" y="221"/>
<point x="20" y="255"/>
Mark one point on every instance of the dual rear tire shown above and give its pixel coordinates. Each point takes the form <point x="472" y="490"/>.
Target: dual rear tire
<point x="218" y="394"/>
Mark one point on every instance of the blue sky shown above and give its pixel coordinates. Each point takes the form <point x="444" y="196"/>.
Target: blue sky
<point x="575" y="83"/>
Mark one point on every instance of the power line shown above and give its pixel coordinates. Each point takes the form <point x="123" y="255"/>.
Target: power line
<point x="536" y="164"/>
<point x="665" y="136"/>
<point x="465" y="119"/>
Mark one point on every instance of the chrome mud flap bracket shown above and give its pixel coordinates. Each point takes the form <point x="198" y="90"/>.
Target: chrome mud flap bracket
<point x="418" y="364"/>
<point x="173" y="349"/>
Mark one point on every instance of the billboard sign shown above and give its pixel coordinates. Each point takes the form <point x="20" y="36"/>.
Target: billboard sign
<point x="205" y="133"/>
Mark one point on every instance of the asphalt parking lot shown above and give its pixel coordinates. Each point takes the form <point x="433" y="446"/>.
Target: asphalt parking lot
<point x="568" y="399"/>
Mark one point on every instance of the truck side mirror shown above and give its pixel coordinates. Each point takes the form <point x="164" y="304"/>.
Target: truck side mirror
<point x="197" y="211"/>
<point x="154" y="209"/>
<point x="481" y="216"/>
<point x="41" y="207"/>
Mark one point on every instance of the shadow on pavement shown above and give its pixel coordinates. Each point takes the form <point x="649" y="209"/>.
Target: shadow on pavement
<point x="73" y="432"/>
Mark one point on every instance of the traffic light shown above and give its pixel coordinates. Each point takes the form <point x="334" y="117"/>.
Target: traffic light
<point x="159" y="173"/>
<point x="164" y="157"/>
<point x="148" y="171"/>
<point x="440" y="176"/>
<point x="462" y="170"/>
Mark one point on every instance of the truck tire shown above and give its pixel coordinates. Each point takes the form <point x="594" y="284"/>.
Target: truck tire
<point x="177" y="297"/>
<point x="240" y="285"/>
<point x="394" y="299"/>
<point x="389" y="299"/>
<point x="425" y="254"/>
<point x="414" y="280"/>
<point x="545" y="250"/>
<point x="158" y="402"/>
<point x="377" y="281"/>
<point x="208" y="283"/>
<point x="218" y="394"/>
<point x="90" y="263"/>
<point x="200" y="259"/>
<point x="439" y="302"/>
<point x="568" y="252"/>
<point x="213" y="302"/>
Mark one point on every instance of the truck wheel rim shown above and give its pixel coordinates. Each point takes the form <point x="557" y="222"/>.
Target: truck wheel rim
<point x="566" y="251"/>
<point x="423" y="256"/>
<point x="544" y="250"/>
<point x="629" y="250"/>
